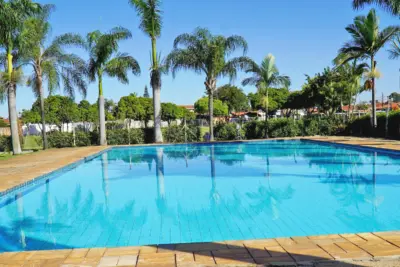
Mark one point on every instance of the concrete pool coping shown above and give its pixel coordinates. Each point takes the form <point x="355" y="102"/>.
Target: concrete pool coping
<point x="366" y="249"/>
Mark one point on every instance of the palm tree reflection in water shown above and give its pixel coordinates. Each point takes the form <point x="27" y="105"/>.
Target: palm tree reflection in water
<point x="105" y="181"/>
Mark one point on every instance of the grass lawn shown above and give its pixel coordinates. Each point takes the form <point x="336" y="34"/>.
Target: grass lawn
<point x="203" y="131"/>
<point x="4" y="156"/>
<point x="32" y="142"/>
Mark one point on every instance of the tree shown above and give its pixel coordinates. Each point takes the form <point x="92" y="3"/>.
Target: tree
<point x="265" y="76"/>
<point x="351" y="75"/>
<point x="186" y="114"/>
<point x="395" y="97"/>
<point x="151" y="22"/>
<point x="146" y="92"/>
<point x="366" y="43"/>
<point x="50" y="64"/>
<point x="12" y="15"/>
<point x="106" y="60"/>
<point x="274" y="99"/>
<point x="170" y="112"/>
<point x="201" y="106"/>
<point x="129" y="107"/>
<point x="233" y="97"/>
<point x="393" y="6"/>
<point x="205" y="53"/>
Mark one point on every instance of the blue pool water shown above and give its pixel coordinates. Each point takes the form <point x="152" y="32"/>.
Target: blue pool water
<point x="198" y="193"/>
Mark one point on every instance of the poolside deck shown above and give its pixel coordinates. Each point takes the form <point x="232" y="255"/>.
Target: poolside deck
<point x="364" y="249"/>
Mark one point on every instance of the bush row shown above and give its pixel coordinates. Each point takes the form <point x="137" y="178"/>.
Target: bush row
<point x="281" y="127"/>
<point x="172" y="134"/>
<point x="362" y="126"/>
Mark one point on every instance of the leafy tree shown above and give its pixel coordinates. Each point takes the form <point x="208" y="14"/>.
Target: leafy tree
<point x="129" y="107"/>
<point x="106" y="60"/>
<point x="205" y="53"/>
<point x="393" y="6"/>
<point x="146" y="92"/>
<point x="202" y="107"/>
<point x="366" y="43"/>
<point x="265" y="76"/>
<point x="186" y="114"/>
<point x="109" y="107"/>
<point x="50" y="64"/>
<point x="58" y="110"/>
<point x="149" y="12"/>
<point x="233" y="97"/>
<point x="12" y="15"/>
<point x="351" y="76"/>
<point x="395" y="97"/>
<point x="170" y="112"/>
<point x="30" y="116"/>
<point x="274" y="99"/>
<point x="147" y="104"/>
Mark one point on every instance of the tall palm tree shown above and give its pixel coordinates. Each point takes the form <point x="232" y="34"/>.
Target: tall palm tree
<point x="366" y="43"/>
<point x="206" y="53"/>
<point x="12" y="15"/>
<point x="393" y="6"/>
<point x="265" y="76"/>
<point x="50" y="63"/>
<point x="106" y="60"/>
<point x="151" y="23"/>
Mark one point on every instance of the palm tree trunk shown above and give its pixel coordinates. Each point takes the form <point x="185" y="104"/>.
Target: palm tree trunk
<point x="102" y="118"/>
<point x="41" y="96"/>
<point x="12" y="107"/>
<point x="158" y="138"/>
<point x="211" y="114"/>
<point x="373" y="121"/>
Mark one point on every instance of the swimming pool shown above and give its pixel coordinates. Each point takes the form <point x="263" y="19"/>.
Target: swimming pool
<point x="201" y="193"/>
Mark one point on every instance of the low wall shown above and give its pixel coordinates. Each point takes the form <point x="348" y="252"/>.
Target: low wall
<point x="5" y="131"/>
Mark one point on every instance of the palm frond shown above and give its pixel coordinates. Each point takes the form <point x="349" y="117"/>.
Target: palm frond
<point x="392" y="6"/>
<point x="150" y="13"/>
<point x="394" y="51"/>
<point x="235" y="42"/>
<point x="184" y="59"/>
<point x="120" y="65"/>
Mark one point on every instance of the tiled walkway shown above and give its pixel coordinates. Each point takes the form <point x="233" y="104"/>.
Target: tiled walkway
<point x="367" y="249"/>
<point x="23" y="168"/>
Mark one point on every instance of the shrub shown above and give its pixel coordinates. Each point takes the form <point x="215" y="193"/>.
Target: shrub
<point x="5" y="143"/>
<point x="58" y="139"/>
<point x="283" y="127"/>
<point x="82" y="139"/>
<point x="176" y="134"/>
<point x="228" y="131"/>
<point x="255" y="129"/>
<point x="362" y="126"/>
<point x="125" y="137"/>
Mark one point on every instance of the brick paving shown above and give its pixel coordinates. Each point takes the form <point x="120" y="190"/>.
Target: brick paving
<point x="363" y="249"/>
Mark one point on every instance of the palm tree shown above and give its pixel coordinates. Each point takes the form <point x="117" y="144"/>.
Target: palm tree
<point x="393" y="6"/>
<point x="265" y="76"/>
<point x="367" y="41"/>
<point x="50" y="63"/>
<point x="207" y="53"/>
<point x="106" y="60"/>
<point x="12" y="15"/>
<point x="151" y="24"/>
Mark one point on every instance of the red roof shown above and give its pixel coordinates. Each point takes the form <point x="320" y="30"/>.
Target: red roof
<point x="187" y="106"/>
<point x="5" y="120"/>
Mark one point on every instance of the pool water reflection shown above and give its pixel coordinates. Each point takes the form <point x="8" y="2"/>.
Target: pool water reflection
<point x="202" y="193"/>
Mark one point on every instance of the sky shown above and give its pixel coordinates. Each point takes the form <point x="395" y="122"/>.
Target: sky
<point x="304" y="36"/>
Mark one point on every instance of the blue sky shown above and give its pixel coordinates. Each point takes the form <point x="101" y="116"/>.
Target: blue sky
<point x="303" y="35"/>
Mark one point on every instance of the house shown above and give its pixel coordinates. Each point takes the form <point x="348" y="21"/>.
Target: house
<point x="188" y="107"/>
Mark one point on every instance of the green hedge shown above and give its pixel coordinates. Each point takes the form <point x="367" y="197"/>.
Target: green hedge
<point x="362" y="126"/>
<point x="228" y="131"/>
<point x="176" y="134"/>
<point x="5" y="143"/>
